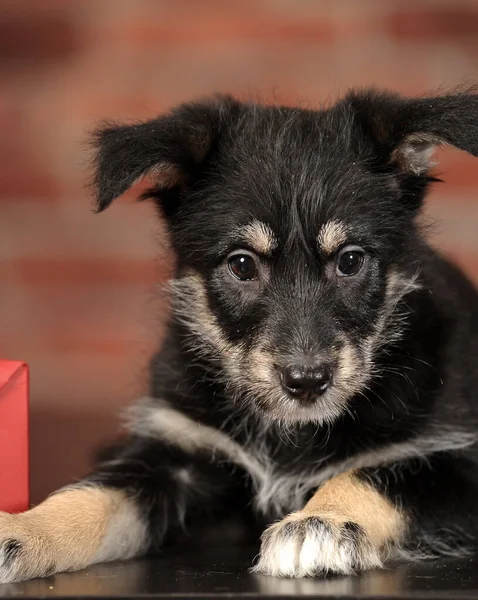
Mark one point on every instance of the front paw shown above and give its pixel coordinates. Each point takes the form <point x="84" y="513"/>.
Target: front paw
<point x="304" y="545"/>
<point x="24" y="552"/>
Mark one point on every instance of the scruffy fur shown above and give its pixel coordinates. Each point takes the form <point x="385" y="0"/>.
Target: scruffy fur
<point x="318" y="379"/>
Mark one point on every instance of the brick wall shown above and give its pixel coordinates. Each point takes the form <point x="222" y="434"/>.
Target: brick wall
<point x="76" y="290"/>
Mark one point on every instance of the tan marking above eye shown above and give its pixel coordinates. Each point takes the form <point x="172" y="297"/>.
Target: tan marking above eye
<point x="332" y="235"/>
<point x="259" y="236"/>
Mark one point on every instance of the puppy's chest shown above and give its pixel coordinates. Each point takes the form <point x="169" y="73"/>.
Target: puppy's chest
<point x="285" y="476"/>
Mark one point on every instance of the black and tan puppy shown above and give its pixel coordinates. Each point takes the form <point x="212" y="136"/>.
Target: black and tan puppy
<point x="320" y="372"/>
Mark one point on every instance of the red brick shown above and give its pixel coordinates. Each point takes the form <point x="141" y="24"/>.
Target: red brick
<point x="27" y="185"/>
<point x="437" y="23"/>
<point x="34" y="271"/>
<point x="222" y="29"/>
<point x="92" y="346"/>
<point x="85" y="380"/>
<point x="23" y="173"/>
<point x="37" y="37"/>
<point x="119" y="107"/>
<point x="40" y="317"/>
<point x="70" y="229"/>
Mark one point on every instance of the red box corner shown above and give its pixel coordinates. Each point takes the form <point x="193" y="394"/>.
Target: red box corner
<point x="14" y="436"/>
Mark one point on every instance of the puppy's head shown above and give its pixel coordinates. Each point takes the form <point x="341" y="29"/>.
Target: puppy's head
<point x="294" y="232"/>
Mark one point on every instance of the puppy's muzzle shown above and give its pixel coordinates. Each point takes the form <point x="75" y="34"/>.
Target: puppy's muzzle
<point x="306" y="381"/>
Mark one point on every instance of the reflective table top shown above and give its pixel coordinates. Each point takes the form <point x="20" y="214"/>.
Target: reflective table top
<point x="224" y="572"/>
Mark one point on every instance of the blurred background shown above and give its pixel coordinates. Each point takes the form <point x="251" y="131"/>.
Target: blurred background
<point x="77" y="298"/>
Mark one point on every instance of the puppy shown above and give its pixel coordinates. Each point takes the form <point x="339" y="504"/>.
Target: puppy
<point x="319" y="374"/>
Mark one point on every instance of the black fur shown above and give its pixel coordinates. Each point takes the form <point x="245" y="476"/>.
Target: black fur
<point x="11" y="549"/>
<point x="216" y="167"/>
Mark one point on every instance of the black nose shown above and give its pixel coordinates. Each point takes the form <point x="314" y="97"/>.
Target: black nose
<point x="306" y="382"/>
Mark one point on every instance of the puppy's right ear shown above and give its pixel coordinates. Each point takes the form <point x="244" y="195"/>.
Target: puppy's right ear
<point x="171" y="148"/>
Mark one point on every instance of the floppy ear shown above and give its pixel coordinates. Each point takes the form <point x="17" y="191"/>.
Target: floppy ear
<point x="171" y="148"/>
<point x="406" y="131"/>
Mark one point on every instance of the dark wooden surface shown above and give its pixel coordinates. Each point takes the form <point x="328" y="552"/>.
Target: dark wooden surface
<point x="223" y="572"/>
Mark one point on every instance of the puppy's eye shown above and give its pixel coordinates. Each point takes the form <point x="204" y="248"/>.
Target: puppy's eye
<point x="243" y="266"/>
<point x="350" y="261"/>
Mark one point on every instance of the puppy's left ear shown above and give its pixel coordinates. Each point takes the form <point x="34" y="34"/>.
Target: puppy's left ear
<point x="406" y="131"/>
<point x="171" y="148"/>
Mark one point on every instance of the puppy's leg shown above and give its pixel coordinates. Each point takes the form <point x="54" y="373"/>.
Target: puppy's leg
<point x="141" y="494"/>
<point x="347" y="525"/>
<point x="72" y="529"/>
<point x="355" y="521"/>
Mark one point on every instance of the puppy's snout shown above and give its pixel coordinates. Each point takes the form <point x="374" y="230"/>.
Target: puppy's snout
<point x="306" y="381"/>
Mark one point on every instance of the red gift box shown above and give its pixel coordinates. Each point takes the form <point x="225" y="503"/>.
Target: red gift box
<point x="14" y="488"/>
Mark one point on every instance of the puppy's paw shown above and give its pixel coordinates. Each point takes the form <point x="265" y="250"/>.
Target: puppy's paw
<point x="304" y="545"/>
<point x="24" y="552"/>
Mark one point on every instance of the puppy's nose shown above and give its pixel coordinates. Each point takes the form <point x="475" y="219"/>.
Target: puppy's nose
<point x="306" y="382"/>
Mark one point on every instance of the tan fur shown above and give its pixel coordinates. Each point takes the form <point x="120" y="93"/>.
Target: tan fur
<point x="331" y="236"/>
<point x="192" y="308"/>
<point x="350" y="371"/>
<point x="415" y="152"/>
<point x="72" y="529"/>
<point x="261" y="366"/>
<point x="387" y="329"/>
<point x="347" y="498"/>
<point x="164" y="175"/>
<point x="260" y="236"/>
